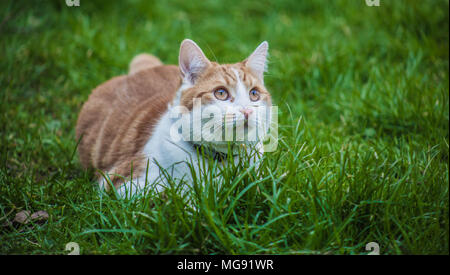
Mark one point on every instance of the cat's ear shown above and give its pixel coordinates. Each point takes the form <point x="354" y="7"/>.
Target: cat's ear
<point x="257" y="61"/>
<point x="192" y="60"/>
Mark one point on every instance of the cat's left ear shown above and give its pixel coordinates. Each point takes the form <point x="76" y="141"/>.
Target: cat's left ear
<point x="192" y="61"/>
<point x="257" y="61"/>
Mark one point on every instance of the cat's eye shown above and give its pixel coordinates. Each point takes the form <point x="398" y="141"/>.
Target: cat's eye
<point x="221" y="94"/>
<point x="254" y="94"/>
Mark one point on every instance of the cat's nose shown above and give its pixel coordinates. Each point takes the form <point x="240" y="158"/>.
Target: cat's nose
<point x="247" y="112"/>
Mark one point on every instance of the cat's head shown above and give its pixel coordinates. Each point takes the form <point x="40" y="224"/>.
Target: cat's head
<point x="224" y="98"/>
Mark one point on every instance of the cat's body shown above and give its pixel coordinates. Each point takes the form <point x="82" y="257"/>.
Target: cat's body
<point x="125" y="126"/>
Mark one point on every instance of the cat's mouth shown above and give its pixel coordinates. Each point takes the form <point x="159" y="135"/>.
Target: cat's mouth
<point x="222" y="128"/>
<point x="237" y="120"/>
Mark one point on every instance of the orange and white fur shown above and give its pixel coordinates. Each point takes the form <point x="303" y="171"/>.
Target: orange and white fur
<point x="125" y="126"/>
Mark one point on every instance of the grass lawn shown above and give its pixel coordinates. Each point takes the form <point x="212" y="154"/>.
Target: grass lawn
<point x="363" y="155"/>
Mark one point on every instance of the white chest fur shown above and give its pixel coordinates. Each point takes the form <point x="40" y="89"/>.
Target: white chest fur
<point x="166" y="158"/>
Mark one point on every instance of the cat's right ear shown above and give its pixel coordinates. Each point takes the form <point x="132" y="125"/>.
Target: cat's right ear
<point x="192" y="61"/>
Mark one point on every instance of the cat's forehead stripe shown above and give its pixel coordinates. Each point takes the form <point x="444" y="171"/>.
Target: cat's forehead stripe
<point x="239" y="85"/>
<point x="228" y="75"/>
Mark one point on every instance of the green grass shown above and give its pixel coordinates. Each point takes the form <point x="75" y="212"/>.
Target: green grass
<point x="363" y="96"/>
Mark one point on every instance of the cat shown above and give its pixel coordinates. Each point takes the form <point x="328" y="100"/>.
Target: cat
<point x="128" y="131"/>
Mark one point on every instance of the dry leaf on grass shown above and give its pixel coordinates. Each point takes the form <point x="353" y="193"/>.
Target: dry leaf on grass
<point x="22" y="217"/>
<point x="25" y="216"/>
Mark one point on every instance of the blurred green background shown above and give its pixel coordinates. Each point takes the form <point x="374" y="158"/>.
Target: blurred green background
<point x="363" y="95"/>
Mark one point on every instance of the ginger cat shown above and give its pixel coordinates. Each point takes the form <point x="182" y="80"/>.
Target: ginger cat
<point x="128" y="129"/>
